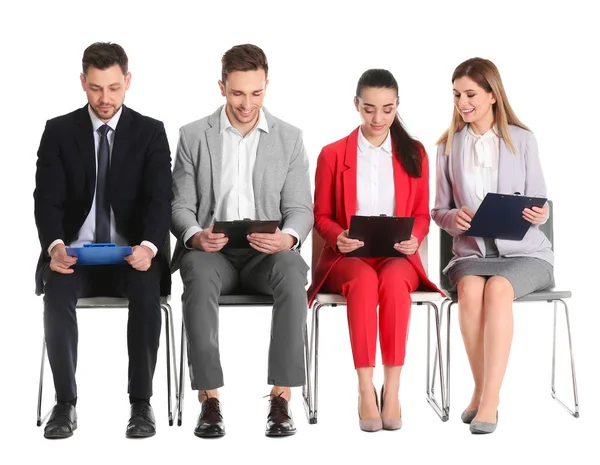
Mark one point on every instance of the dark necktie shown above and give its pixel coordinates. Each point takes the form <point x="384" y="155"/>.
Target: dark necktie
<point x="102" y="203"/>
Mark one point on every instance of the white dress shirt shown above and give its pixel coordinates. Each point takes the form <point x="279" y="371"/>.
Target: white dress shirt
<point x="481" y="154"/>
<point x="236" y="201"/>
<point x="375" y="190"/>
<point x="239" y="156"/>
<point x="87" y="233"/>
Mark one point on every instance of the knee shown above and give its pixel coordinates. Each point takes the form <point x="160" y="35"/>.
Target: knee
<point x="470" y="294"/>
<point x="144" y="282"/>
<point x="290" y="267"/>
<point x="365" y="283"/>
<point x="396" y="285"/>
<point x="498" y="287"/>
<point x="195" y="267"/>
<point x="60" y="287"/>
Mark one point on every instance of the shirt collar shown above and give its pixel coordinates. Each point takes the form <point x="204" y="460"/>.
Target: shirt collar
<point x="226" y="124"/>
<point x="364" y="145"/>
<point x="96" y="122"/>
<point x="490" y="134"/>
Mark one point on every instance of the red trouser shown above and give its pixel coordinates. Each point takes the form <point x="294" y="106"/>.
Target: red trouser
<point x="367" y="282"/>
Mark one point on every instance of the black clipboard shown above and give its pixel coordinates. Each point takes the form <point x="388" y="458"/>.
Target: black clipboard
<point x="500" y="216"/>
<point x="379" y="233"/>
<point x="237" y="231"/>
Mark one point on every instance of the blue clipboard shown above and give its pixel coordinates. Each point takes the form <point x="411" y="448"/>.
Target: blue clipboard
<point x="500" y="216"/>
<point x="100" y="254"/>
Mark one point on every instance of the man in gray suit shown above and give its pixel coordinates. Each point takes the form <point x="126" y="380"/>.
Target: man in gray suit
<point x="242" y="162"/>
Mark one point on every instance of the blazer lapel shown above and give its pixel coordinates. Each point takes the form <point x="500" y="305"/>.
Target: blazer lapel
<point x="401" y="188"/>
<point x="456" y="158"/>
<point x="120" y="147"/>
<point x="84" y="136"/>
<point x="506" y="161"/>
<point x="263" y="155"/>
<point x="349" y="176"/>
<point x="215" y="151"/>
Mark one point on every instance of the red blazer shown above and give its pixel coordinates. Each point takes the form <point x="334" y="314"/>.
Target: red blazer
<point x="335" y="203"/>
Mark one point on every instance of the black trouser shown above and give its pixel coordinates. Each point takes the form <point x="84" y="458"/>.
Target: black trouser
<point x="61" y="292"/>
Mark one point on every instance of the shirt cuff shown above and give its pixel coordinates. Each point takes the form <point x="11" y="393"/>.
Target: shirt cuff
<point x="291" y="232"/>
<point x="151" y="246"/>
<point x="189" y="233"/>
<point x="56" y="242"/>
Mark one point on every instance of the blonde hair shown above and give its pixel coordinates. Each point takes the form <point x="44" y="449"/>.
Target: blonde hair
<point x="486" y="75"/>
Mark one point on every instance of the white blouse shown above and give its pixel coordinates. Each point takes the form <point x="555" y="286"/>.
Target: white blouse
<point x="481" y="155"/>
<point x="375" y="192"/>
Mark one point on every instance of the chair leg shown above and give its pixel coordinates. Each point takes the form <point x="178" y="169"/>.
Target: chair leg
<point x="307" y="388"/>
<point x="40" y="389"/>
<point x="448" y="311"/>
<point x="173" y="349"/>
<point x="166" y="309"/>
<point x="441" y="410"/>
<point x="315" y="360"/>
<point x="181" y="375"/>
<point x="575" y="411"/>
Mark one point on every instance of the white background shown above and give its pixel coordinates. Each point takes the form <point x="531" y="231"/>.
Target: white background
<point x="547" y="54"/>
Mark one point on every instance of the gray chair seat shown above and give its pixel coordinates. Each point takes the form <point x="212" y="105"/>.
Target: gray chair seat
<point x="417" y="296"/>
<point x="246" y="299"/>
<point x="110" y="302"/>
<point x="546" y="294"/>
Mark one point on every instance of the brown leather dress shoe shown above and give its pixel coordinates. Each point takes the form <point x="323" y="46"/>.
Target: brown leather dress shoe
<point x="279" y="419"/>
<point x="62" y="421"/>
<point x="210" y="422"/>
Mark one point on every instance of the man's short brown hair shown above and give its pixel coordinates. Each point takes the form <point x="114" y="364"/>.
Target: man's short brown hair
<point x="245" y="57"/>
<point x="103" y="55"/>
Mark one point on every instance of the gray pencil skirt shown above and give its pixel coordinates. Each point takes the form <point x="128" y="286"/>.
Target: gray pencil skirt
<point x="526" y="274"/>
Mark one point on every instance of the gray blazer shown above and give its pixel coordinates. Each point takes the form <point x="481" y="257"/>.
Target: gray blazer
<point x="281" y="178"/>
<point x="517" y="172"/>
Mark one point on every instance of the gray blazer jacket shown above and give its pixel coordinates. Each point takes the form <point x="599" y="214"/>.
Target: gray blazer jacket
<point x="517" y="172"/>
<point x="281" y="178"/>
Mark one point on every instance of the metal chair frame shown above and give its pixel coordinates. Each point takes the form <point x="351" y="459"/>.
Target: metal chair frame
<point x="117" y="302"/>
<point x="551" y="296"/>
<point x="230" y="300"/>
<point x="419" y="298"/>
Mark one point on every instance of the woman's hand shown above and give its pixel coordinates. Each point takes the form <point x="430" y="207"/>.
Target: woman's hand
<point x="347" y="245"/>
<point x="408" y="247"/>
<point x="536" y="215"/>
<point x="462" y="219"/>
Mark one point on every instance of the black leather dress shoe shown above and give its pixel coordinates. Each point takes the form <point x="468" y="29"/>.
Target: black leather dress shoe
<point x="279" y="420"/>
<point x="210" y="422"/>
<point x="62" y="422"/>
<point x="141" y="424"/>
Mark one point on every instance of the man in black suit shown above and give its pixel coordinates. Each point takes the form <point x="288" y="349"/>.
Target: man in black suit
<point x="103" y="175"/>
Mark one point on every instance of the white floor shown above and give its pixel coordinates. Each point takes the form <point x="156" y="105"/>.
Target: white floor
<point x="531" y="424"/>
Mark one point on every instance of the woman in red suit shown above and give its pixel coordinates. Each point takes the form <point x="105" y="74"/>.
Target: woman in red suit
<point x="377" y="169"/>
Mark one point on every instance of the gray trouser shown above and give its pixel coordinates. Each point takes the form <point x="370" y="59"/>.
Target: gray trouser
<point x="207" y="275"/>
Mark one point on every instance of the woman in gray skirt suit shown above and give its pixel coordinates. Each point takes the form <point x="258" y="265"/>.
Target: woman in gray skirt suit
<point x="487" y="149"/>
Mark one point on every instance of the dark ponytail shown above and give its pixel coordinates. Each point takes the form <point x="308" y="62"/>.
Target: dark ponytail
<point x="408" y="150"/>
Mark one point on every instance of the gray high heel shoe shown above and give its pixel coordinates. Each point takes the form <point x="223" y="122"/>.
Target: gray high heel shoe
<point x="369" y="425"/>
<point x="468" y="415"/>
<point x="483" y="427"/>
<point x="390" y="423"/>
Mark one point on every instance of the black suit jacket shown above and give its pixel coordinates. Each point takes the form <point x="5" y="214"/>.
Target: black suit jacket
<point x="139" y="183"/>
